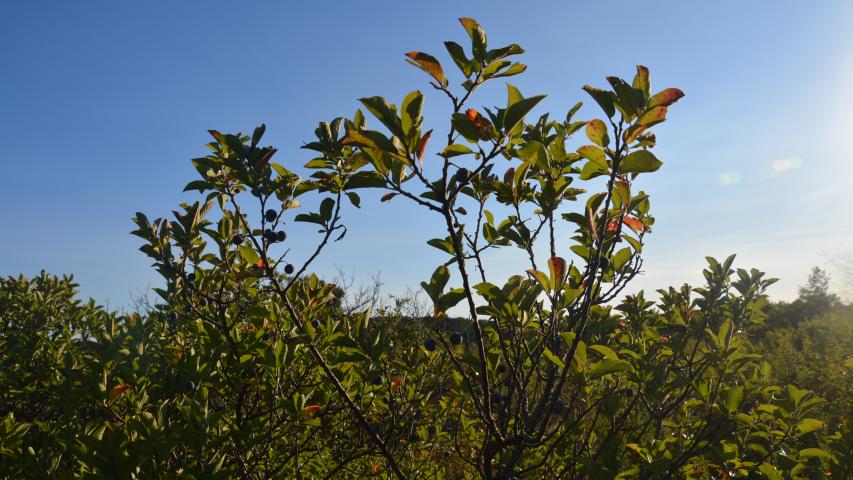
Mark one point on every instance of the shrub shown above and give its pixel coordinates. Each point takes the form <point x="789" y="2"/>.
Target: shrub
<point x="250" y="367"/>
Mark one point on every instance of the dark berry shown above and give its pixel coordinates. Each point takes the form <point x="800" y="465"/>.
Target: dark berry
<point x="456" y="338"/>
<point x="190" y="386"/>
<point x="629" y="393"/>
<point x="191" y="277"/>
<point x="315" y="324"/>
<point x="430" y="344"/>
<point x="202" y="302"/>
<point x="462" y="174"/>
<point x="280" y="235"/>
<point x="558" y="407"/>
<point x="603" y="263"/>
<point x="497" y="397"/>
<point x="269" y="236"/>
<point x="271" y="215"/>
<point x="173" y="316"/>
<point x="237" y="240"/>
<point x="288" y="269"/>
<point x="377" y="380"/>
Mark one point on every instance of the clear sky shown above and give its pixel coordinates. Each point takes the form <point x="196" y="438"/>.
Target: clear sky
<point x="103" y="104"/>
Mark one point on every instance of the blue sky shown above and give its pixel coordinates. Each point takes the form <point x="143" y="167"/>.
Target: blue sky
<point x="103" y="104"/>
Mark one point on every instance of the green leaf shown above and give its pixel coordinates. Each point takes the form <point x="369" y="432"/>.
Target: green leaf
<point x="596" y="130"/>
<point x="641" y="80"/>
<point x="513" y="95"/>
<point x="439" y="278"/>
<point x="384" y="112"/>
<point x="603" y="98"/>
<point x="200" y="185"/>
<point x="542" y="278"/>
<point x="813" y="452"/>
<point x="534" y="153"/>
<point x="514" y="69"/>
<point x="608" y="366"/>
<point x="640" y="161"/>
<point x="515" y="113"/>
<point x="593" y="169"/>
<point x="445" y="245"/>
<point x="593" y="153"/>
<point x="452" y="297"/>
<point x="412" y="112"/>
<point x="568" y="337"/>
<point x="796" y="394"/>
<point x="808" y="425"/>
<point x="770" y="471"/>
<point x="465" y="127"/>
<point x="652" y="116"/>
<point x="553" y="358"/>
<point x="455" y="150"/>
<point x="478" y="38"/>
<point x="249" y="254"/>
<point x="327" y="208"/>
<point x="629" y="99"/>
<point x="365" y="180"/>
<point x="733" y="396"/>
<point x="457" y="53"/>
<point x="604" y="351"/>
<point x="354" y="199"/>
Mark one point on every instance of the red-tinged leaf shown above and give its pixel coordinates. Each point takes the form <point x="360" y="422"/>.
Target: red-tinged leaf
<point x="641" y="80"/>
<point x="387" y="197"/>
<point x="118" y="390"/>
<point x="540" y="277"/>
<point x="666" y="97"/>
<point x="633" y="132"/>
<point x="509" y="176"/>
<point x="427" y="63"/>
<point x="421" y="147"/>
<point x="468" y="24"/>
<point x="396" y="384"/>
<point x="596" y="130"/>
<point x="613" y="225"/>
<point x="634" y="224"/>
<point x="557" y="266"/>
<point x="374" y="468"/>
<point x="593" y="227"/>
<point x="308" y="411"/>
<point x="593" y="153"/>
<point x="652" y="116"/>
<point x="215" y="134"/>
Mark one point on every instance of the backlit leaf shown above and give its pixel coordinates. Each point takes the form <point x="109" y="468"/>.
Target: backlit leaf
<point x="427" y="63"/>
